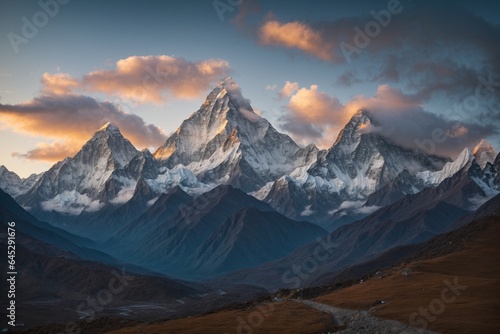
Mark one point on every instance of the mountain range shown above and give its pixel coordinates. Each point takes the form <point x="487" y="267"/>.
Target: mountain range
<point x="226" y="142"/>
<point x="231" y="203"/>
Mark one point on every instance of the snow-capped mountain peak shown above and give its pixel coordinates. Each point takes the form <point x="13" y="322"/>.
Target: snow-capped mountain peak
<point x="9" y="181"/>
<point x="226" y="93"/>
<point x="361" y="122"/>
<point x="484" y="152"/>
<point x="108" y="142"/>
<point x="225" y="141"/>
<point x="431" y="178"/>
<point x="360" y="162"/>
<point x="208" y="127"/>
<point x="110" y="127"/>
<point x="12" y="184"/>
<point x="78" y="182"/>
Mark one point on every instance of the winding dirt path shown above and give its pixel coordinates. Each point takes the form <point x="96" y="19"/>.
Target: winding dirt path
<point x="361" y="321"/>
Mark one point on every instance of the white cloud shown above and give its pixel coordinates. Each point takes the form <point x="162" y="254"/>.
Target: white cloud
<point x="72" y="203"/>
<point x="152" y="201"/>
<point x="123" y="195"/>
<point x="351" y="204"/>
<point x="307" y="211"/>
<point x="366" y="210"/>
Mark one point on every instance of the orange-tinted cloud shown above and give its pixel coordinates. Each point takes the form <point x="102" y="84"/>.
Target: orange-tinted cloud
<point x="156" y="78"/>
<point x="58" y="84"/>
<point x="386" y="98"/>
<point x="296" y="35"/>
<point x="51" y="152"/>
<point x="403" y="56"/>
<point x="457" y="131"/>
<point x="288" y="89"/>
<point x="71" y="120"/>
<point x="313" y="116"/>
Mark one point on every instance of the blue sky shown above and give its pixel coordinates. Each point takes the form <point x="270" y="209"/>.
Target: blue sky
<point x="430" y="57"/>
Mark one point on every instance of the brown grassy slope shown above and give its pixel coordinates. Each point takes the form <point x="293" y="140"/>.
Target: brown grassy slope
<point x="285" y="317"/>
<point x="475" y="264"/>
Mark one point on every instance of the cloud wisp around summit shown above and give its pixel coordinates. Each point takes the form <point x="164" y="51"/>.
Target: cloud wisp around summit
<point x="313" y="116"/>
